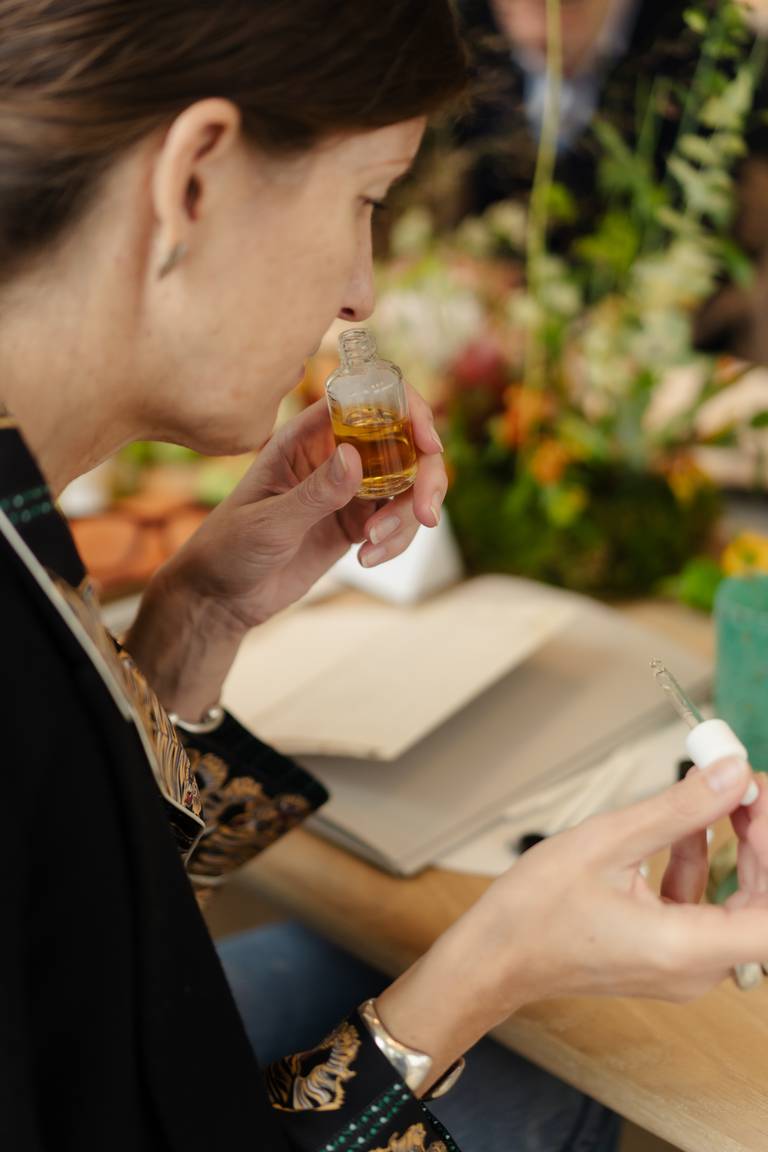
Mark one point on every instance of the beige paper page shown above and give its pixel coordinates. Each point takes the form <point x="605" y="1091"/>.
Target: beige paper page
<point x="581" y="696"/>
<point x="369" y="681"/>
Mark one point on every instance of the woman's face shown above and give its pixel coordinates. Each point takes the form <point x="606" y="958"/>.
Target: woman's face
<point x="276" y="249"/>
<point x="524" y="22"/>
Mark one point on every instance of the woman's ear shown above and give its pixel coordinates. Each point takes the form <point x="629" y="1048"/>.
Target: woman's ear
<point x="196" y="142"/>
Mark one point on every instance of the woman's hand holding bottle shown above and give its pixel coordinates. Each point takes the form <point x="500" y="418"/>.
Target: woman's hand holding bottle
<point x="293" y="515"/>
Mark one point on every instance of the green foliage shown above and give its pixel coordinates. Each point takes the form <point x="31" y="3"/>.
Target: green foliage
<point x="735" y="261"/>
<point x="696" y="20"/>
<point x="606" y="528"/>
<point x="697" y="584"/>
<point x="693" y="197"/>
<point x="613" y="247"/>
<point x="561" y="205"/>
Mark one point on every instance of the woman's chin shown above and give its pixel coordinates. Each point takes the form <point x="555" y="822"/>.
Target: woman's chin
<point x="247" y="433"/>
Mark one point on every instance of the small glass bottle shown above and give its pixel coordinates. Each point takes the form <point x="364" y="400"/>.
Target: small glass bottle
<point x="369" y="410"/>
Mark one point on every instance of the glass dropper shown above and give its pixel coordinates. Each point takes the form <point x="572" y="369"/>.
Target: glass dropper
<point x="679" y="700"/>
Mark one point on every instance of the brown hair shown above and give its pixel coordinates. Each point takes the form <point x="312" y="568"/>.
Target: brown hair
<point x="83" y="80"/>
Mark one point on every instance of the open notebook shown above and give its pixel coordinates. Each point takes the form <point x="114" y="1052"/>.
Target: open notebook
<point x="425" y="722"/>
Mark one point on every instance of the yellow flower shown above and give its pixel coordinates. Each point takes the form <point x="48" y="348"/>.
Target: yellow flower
<point x="746" y="553"/>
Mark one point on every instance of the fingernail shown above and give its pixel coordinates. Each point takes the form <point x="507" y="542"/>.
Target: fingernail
<point x="368" y="559"/>
<point x="437" y="501"/>
<point x="723" y="774"/>
<point x="339" y="468"/>
<point x="437" y="439"/>
<point x="751" y="794"/>
<point x="383" y="529"/>
<point x="748" y="976"/>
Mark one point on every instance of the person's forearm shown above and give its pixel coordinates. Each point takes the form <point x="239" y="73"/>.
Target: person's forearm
<point x="452" y="996"/>
<point x="184" y="645"/>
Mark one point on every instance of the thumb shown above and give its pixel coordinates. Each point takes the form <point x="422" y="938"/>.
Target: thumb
<point x="701" y="799"/>
<point x="326" y="490"/>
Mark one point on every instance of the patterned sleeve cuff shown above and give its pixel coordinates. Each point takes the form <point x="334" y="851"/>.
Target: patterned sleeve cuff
<point x="251" y="796"/>
<point x="344" y="1096"/>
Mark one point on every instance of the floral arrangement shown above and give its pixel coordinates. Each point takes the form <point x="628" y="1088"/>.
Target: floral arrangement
<point x="573" y="399"/>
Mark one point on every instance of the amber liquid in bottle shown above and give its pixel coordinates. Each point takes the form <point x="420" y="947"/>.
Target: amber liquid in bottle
<point x="384" y="440"/>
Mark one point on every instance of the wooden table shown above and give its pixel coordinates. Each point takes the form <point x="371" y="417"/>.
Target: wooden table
<point x="695" y="1075"/>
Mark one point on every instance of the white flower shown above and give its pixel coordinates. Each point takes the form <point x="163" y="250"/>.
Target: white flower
<point x="561" y="297"/>
<point x="557" y="292"/>
<point x="474" y="237"/>
<point x="525" y="312"/>
<point x="662" y="339"/>
<point x="605" y="368"/>
<point x="676" y="395"/>
<point x="508" y="220"/>
<point x="735" y="405"/>
<point x="431" y="323"/>
<point x="678" y="278"/>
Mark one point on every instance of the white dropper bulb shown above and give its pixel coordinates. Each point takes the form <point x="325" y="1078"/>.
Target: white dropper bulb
<point x="708" y="740"/>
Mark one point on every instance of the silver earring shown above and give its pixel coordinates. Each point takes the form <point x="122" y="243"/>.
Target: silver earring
<point x="174" y="257"/>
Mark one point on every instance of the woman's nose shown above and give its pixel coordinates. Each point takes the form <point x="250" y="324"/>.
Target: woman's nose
<point x="359" y="297"/>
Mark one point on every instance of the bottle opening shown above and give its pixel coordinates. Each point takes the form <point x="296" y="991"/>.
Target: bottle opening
<point x="356" y="345"/>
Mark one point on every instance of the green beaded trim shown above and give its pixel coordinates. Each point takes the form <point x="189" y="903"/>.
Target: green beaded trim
<point x="20" y="509"/>
<point x="370" y="1121"/>
<point x="441" y="1130"/>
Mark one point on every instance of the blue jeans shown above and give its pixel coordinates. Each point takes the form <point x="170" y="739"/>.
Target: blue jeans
<point x="292" y="987"/>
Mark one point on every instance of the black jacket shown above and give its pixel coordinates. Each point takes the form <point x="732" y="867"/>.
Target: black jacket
<point x="117" y="1027"/>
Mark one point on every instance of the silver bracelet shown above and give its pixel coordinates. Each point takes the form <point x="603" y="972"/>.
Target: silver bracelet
<point x="413" y="1066"/>
<point x="211" y="719"/>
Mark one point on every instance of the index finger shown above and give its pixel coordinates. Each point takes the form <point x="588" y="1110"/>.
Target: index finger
<point x="635" y="833"/>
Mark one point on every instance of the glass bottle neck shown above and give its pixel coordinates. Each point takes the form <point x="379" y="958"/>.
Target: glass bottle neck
<point x="356" y="346"/>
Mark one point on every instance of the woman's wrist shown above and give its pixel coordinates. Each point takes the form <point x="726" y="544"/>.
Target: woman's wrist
<point x="452" y="996"/>
<point x="184" y="643"/>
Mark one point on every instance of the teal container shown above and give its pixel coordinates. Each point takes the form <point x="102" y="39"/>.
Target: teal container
<point x="741" y="674"/>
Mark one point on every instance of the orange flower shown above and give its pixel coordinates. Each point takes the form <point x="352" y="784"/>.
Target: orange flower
<point x="549" y="462"/>
<point x="525" y="409"/>
<point x="746" y="554"/>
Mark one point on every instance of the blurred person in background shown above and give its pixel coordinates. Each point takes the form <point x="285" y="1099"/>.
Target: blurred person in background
<point x="611" y="48"/>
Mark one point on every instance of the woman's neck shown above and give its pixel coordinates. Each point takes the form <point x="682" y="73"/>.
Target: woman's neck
<point x="59" y="374"/>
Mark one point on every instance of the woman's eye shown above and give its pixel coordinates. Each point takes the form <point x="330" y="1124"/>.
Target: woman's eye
<point x="377" y="205"/>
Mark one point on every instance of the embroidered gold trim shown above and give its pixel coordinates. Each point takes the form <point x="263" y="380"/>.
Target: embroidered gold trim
<point x="241" y="819"/>
<point x="169" y="762"/>
<point x="414" y="1140"/>
<point x="306" y="1083"/>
